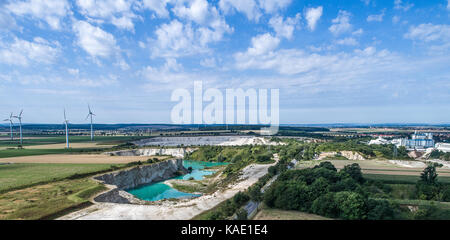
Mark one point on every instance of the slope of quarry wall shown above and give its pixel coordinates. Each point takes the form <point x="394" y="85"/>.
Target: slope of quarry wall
<point x="134" y="177"/>
<point x="176" y="152"/>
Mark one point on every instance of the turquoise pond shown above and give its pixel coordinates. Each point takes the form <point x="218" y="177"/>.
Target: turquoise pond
<point x="158" y="191"/>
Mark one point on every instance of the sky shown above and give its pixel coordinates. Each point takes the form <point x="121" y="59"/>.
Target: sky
<point x="334" y="61"/>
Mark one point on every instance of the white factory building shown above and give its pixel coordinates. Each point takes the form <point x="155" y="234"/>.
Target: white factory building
<point x="418" y="141"/>
<point x="444" y="147"/>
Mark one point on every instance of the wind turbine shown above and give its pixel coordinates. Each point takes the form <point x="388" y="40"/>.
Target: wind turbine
<point x="90" y="114"/>
<point x="10" y="125"/>
<point x="20" y="125"/>
<point x="67" y="129"/>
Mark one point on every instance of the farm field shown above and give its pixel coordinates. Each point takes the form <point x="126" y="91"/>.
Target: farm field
<point x="276" y="214"/>
<point x="44" y="140"/>
<point x="56" y="145"/>
<point x="377" y="167"/>
<point x="48" y="200"/>
<point x="14" y="176"/>
<point x="77" y="158"/>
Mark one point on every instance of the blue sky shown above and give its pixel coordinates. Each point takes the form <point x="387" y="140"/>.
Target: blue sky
<point x="360" y="61"/>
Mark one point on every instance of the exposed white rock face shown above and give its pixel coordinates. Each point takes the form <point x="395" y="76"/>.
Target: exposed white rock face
<point x="176" y="152"/>
<point x="134" y="177"/>
<point x="205" y="140"/>
<point x="350" y="155"/>
<point x="131" y="178"/>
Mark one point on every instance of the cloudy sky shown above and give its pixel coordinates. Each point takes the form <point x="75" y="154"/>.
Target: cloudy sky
<point x="334" y="61"/>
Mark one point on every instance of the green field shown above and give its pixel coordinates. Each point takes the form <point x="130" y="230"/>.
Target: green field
<point x="19" y="175"/>
<point x="277" y="214"/>
<point x="48" y="201"/>
<point x="398" y="179"/>
<point x="34" y="152"/>
<point x="44" y="139"/>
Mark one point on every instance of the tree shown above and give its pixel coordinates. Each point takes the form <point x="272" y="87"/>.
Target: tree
<point x="429" y="175"/>
<point x="241" y="214"/>
<point x="354" y="171"/>
<point x="379" y="210"/>
<point x="351" y="205"/>
<point x="327" y="165"/>
<point x="325" y="206"/>
<point x="254" y="193"/>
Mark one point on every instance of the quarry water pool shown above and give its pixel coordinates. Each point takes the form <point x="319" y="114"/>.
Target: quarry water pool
<point x="159" y="191"/>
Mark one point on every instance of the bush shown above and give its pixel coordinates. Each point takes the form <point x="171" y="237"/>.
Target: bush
<point x="325" y="206"/>
<point x="379" y="210"/>
<point x="351" y="205"/>
<point x="241" y="214"/>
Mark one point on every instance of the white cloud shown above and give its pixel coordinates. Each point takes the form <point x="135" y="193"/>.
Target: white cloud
<point x="448" y="4"/>
<point x="117" y="12"/>
<point x="95" y="41"/>
<point x="436" y="37"/>
<point x="429" y="32"/>
<point x="262" y="44"/>
<point x="285" y="28"/>
<point x="358" y="32"/>
<point x="22" y="52"/>
<point x="347" y="41"/>
<point x="195" y="10"/>
<point x="7" y="22"/>
<point x="376" y="17"/>
<point x="208" y="62"/>
<point x="395" y="19"/>
<point x="248" y="7"/>
<point x="367" y="2"/>
<point x="50" y="11"/>
<point x="212" y="24"/>
<point x="295" y="61"/>
<point x="273" y="6"/>
<point x="398" y="4"/>
<point x="158" y="6"/>
<point x="341" y="23"/>
<point x="73" y="71"/>
<point x="176" y="39"/>
<point x="312" y="16"/>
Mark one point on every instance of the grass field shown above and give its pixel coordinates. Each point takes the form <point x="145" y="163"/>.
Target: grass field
<point x="19" y="175"/>
<point x="48" y="200"/>
<point x="44" y="139"/>
<point x="276" y="214"/>
<point x="398" y="179"/>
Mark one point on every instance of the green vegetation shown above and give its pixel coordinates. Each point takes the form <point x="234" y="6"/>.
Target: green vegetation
<point x="48" y="201"/>
<point x="308" y="151"/>
<point x="34" y="152"/>
<point x="226" y="209"/>
<point x="428" y="187"/>
<point x="324" y="191"/>
<point x="436" y="154"/>
<point x="239" y="157"/>
<point x="20" y="175"/>
<point x="348" y="194"/>
<point x="45" y="139"/>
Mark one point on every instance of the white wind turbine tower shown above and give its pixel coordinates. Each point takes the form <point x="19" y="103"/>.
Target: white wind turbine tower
<point x="90" y="114"/>
<point x="10" y="125"/>
<point x="20" y="125"/>
<point x="67" y="129"/>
